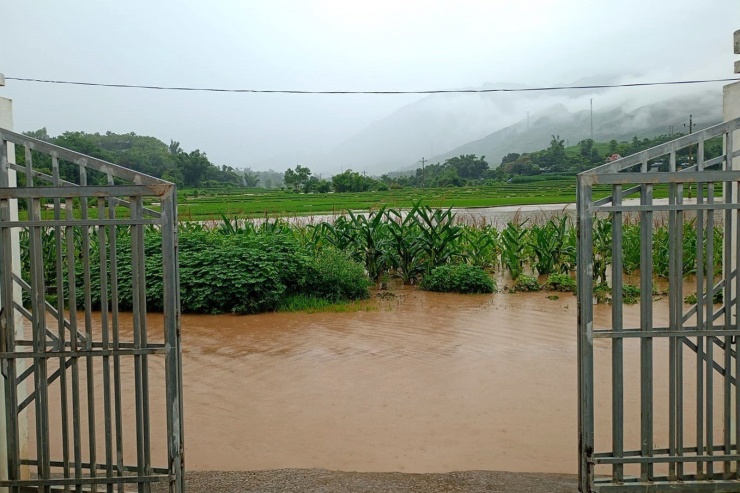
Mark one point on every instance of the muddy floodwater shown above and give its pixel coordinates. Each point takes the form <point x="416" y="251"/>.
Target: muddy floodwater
<point x="419" y="382"/>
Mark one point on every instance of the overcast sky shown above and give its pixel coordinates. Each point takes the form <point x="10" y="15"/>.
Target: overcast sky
<point x="327" y="45"/>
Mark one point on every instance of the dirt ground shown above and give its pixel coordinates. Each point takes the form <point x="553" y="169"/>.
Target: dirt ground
<point x="324" y="481"/>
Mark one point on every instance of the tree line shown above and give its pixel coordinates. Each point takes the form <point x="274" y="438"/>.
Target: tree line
<point x="147" y="155"/>
<point x="193" y="169"/>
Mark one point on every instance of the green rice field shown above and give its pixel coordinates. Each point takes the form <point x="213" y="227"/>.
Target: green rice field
<point x="208" y="204"/>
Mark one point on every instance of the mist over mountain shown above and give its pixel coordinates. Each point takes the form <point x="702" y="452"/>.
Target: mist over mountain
<point x="493" y="124"/>
<point x="535" y="133"/>
<point x="436" y="124"/>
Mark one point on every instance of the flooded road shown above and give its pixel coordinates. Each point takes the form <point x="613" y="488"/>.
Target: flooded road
<point x="429" y="382"/>
<point x="420" y="382"/>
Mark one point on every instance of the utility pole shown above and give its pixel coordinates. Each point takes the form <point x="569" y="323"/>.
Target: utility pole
<point x="691" y="130"/>
<point x="592" y="119"/>
<point x="422" y="171"/>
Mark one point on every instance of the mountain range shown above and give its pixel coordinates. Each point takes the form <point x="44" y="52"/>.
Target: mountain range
<point x="493" y="124"/>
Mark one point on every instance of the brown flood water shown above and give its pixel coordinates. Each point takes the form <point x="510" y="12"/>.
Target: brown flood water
<point x="426" y="382"/>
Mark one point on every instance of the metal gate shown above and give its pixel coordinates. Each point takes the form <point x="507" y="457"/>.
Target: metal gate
<point x="658" y="408"/>
<point x="92" y="381"/>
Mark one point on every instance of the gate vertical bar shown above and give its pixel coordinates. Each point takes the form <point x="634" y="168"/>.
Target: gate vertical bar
<point x="646" y="325"/>
<point x="727" y="306"/>
<point x="105" y="340"/>
<point x="679" y="346"/>
<point x="709" y="370"/>
<point x="673" y="280"/>
<point x="61" y="330"/>
<point x="117" y="390"/>
<point x="617" y="342"/>
<point x="700" y="298"/>
<point x="90" y="375"/>
<point x="38" y="328"/>
<point x="172" y="337"/>
<point x="585" y="339"/>
<point x="74" y="343"/>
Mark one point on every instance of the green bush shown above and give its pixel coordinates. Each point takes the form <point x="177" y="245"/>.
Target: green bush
<point x="460" y="278"/>
<point x="333" y="276"/>
<point x="218" y="273"/>
<point x="561" y="282"/>
<point x="525" y="283"/>
<point x="241" y="273"/>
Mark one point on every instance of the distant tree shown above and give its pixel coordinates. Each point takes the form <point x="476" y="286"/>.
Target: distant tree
<point x="613" y="146"/>
<point x="298" y="179"/>
<point x="449" y="177"/>
<point x="41" y="134"/>
<point x="468" y="166"/>
<point x="588" y="152"/>
<point x="351" y="181"/>
<point x="510" y="158"/>
<point x="174" y="147"/>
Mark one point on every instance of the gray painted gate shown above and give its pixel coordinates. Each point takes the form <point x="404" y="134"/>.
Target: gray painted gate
<point x="658" y="408"/>
<point x="92" y="392"/>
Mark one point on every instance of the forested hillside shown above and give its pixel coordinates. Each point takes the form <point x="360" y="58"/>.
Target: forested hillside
<point x="148" y="155"/>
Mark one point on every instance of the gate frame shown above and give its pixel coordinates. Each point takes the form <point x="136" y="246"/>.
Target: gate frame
<point x="125" y="188"/>
<point x="710" y="325"/>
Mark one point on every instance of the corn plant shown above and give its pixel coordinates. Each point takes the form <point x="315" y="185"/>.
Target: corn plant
<point x="513" y="248"/>
<point x="661" y="246"/>
<point x="602" y="248"/>
<point x="689" y="248"/>
<point x="369" y="241"/>
<point x="551" y="250"/>
<point x="403" y="243"/>
<point x="630" y="248"/>
<point x="480" y="246"/>
<point x="438" y="235"/>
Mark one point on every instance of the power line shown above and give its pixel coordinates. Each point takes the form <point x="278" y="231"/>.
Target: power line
<point x="431" y="91"/>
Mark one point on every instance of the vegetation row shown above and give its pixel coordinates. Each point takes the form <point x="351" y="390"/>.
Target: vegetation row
<point x="243" y="266"/>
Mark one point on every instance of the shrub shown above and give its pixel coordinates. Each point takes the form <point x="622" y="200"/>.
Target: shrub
<point x="525" y="283"/>
<point x="335" y="277"/>
<point x="218" y="273"/>
<point x="460" y="278"/>
<point x="561" y="282"/>
<point x="241" y="273"/>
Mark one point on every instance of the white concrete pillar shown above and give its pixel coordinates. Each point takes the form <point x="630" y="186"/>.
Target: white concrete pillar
<point x="6" y="121"/>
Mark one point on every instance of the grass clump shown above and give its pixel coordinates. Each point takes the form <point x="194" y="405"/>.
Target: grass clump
<point x="526" y="284"/>
<point x="460" y="278"/>
<point x="603" y="293"/>
<point x="312" y="304"/>
<point x="630" y="294"/>
<point x="561" y="282"/>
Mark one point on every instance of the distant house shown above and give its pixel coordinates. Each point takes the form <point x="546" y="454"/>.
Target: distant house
<point x="613" y="157"/>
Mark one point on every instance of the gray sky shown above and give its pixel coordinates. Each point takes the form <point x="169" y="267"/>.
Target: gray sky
<point x="324" y="45"/>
